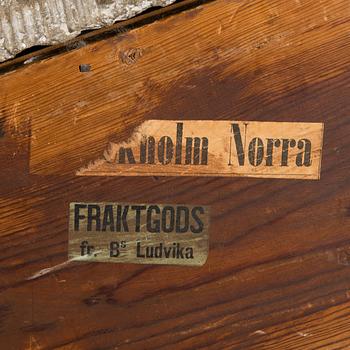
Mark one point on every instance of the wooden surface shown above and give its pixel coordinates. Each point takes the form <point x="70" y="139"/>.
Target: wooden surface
<point x="277" y="275"/>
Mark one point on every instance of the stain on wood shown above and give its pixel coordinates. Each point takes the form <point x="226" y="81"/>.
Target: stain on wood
<point x="277" y="276"/>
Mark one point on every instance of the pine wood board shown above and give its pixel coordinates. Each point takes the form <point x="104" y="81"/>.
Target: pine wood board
<point x="277" y="275"/>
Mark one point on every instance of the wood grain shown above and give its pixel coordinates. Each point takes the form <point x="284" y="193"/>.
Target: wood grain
<point x="277" y="275"/>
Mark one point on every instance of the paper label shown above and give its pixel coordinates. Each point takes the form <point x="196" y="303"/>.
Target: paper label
<point x="215" y="148"/>
<point x="139" y="233"/>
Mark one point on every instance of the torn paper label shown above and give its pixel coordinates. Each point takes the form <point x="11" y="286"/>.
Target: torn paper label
<point x="215" y="148"/>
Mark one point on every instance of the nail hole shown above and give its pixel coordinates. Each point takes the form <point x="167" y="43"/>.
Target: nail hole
<point x="84" y="68"/>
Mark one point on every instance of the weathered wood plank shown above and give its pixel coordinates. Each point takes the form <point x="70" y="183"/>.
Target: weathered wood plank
<point x="277" y="275"/>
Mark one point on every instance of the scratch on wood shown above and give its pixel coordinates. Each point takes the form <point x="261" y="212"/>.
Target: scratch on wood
<point x="220" y="29"/>
<point x="58" y="267"/>
<point x="33" y="344"/>
<point x="303" y="334"/>
<point x="2" y="126"/>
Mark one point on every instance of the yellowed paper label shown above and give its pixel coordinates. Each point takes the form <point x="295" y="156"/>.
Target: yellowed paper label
<point x="139" y="233"/>
<point x="215" y="148"/>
